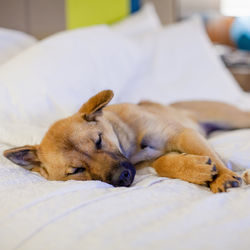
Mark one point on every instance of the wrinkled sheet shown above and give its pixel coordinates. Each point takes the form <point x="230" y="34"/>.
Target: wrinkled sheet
<point x="155" y="212"/>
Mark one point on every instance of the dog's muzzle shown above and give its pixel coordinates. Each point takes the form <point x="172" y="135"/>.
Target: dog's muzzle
<point x="124" y="175"/>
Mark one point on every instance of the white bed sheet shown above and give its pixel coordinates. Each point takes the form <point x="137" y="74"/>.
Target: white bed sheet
<point x="156" y="212"/>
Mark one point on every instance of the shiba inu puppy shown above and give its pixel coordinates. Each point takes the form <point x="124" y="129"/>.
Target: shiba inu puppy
<point x="107" y="143"/>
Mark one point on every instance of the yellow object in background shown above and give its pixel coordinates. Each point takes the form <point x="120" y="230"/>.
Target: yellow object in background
<point x="81" y="13"/>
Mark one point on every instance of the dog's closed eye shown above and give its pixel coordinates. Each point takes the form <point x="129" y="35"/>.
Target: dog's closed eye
<point x="98" y="143"/>
<point x="76" y="170"/>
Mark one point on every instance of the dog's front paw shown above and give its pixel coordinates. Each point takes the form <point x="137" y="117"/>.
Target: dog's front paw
<point x="246" y="176"/>
<point x="199" y="169"/>
<point x="224" y="181"/>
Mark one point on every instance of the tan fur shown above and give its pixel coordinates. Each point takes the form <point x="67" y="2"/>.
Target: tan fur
<point x="246" y="176"/>
<point x="169" y="138"/>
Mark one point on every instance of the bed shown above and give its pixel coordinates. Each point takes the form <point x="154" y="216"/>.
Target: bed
<point x="138" y="59"/>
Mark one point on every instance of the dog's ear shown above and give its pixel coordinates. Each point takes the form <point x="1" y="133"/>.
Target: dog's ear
<point x="25" y="156"/>
<point x="94" y="105"/>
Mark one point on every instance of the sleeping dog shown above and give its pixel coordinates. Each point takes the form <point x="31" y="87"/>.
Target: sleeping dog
<point x="106" y="143"/>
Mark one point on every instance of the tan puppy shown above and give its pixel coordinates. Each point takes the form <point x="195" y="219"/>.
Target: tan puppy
<point x="105" y="143"/>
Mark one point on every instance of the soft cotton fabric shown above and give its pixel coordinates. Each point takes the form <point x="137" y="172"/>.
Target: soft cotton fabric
<point x="12" y="42"/>
<point x="52" y="79"/>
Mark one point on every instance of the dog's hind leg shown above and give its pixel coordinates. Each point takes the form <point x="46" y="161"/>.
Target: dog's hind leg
<point x="216" y="115"/>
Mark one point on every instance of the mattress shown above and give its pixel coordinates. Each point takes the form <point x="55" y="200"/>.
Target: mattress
<point x="53" y="78"/>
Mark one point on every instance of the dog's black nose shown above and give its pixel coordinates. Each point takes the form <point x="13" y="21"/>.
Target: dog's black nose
<point x="124" y="175"/>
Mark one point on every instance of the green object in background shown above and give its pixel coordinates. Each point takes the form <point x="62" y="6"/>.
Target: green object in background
<point x="81" y="13"/>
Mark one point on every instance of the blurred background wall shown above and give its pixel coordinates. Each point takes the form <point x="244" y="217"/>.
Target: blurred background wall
<point x="44" y="17"/>
<point x="190" y="7"/>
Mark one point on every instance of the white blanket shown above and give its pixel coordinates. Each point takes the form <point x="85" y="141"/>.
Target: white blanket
<point x="52" y="79"/>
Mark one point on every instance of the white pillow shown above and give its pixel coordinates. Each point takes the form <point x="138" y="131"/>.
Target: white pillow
<point x="53" y="78"/>
<point x="13" y="42"/>
<point x="57" y="75"/>
<point x="143" y="21"/>
<point x="181" y="65"/>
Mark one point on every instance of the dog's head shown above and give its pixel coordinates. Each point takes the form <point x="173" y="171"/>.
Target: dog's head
<point x="81" y="147"/>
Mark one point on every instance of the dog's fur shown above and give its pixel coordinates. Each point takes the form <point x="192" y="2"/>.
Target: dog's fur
<point x="96" y="141"/>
